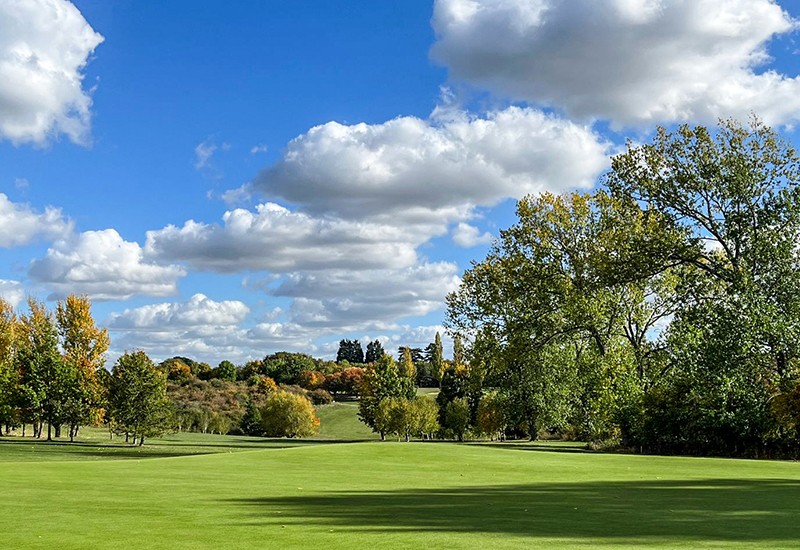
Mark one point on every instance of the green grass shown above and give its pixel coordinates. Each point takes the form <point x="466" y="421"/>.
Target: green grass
<point x="205" y="491"/>
<point x="340" y="421"/>
<point x="94" y="444"/>
<point x="397" y="495"/>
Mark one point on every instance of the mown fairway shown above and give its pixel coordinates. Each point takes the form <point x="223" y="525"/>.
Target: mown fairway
<point x="396" y="495"/>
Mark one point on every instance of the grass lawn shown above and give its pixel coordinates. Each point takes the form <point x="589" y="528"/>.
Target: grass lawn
<point x="394" y="495"/>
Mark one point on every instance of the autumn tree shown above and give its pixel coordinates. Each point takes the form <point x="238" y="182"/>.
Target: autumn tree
<point x="9" y="376"/>
<point x="288" y="415"/>
<point x="41" y="368"/>
<point x="84" y="346"/>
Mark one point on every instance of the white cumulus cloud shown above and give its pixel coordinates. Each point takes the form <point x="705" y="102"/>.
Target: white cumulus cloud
<point x="409" y="171"/>
<point x="198" y="311"/>
<point x="44" y="46"/>
<point x="275" y="239"/>
<point x="367" y="300"/>
<point x="104" y="266"/>
<point x="629" y="61"/>
<point x="20" y="224"/>
<point x="467" y="236"/>
<point x="12" y="292"/>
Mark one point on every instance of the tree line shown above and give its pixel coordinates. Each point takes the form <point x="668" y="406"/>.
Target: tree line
<point x="659" y="312"/>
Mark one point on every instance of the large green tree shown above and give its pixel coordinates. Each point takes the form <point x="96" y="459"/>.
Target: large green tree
<point x="382" y="380"/>
<point x="138" y="399"/>
<point x="734" y="195"/>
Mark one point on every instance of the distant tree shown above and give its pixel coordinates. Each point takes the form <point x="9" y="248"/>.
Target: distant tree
<point x="285" y="367"/>
<point x="458" y="350"/>
<point x="454" y="385"/>
<point x="374" y="351"/>
<point x="437" y="357"/>
<point x="289" y="415"/>
<point x="425" y="413"/>
<point x="176" y="369"/>
<point x="311" y="379"/>
<point x="408" y="417"/>
<point x="408" y="375"/>
<point x="225" y="371"/>
<point x="350" y="351"/>
<point x="491" y="419"/>
<point x="264" y="385"/>
<point x="251" y="420"/>
<point x="139" y="404"/>
<point x="250" y="369"/>
<point x="345" y="383"/>
<point x="417" y="355"/>
<point x="382" y="380"/>
<point x="457" y="417"/>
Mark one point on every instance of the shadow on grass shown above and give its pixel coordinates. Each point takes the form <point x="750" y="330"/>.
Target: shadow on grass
<point x="156" y="448"/>
<point x="656" y="512"/>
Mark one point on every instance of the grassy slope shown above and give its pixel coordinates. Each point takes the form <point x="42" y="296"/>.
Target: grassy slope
<point x="396" y="495"/>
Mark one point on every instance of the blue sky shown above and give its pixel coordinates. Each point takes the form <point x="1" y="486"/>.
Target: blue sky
<point x="230" y="179"/>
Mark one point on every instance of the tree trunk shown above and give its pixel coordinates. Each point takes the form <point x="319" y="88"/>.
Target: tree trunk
<point x="383" y="435"/>
<point x="49" y="431"/>
<point x="141" y="441"/>
<point x="57" y="430"/>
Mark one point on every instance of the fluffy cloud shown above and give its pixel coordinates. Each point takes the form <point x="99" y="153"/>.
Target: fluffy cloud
<point x="198" y="311"/>
<point x="203" y="328"/>
<point x="104" y="266"/>
<point x="467" y="236"/>
<point x="277" y="240"/>
<point x="367" y="300"/>
<point x="628" y="61"/>
<point x="20" y="224"/>
<point x="12" y="292"/>
<point x="44" y="46"/>
<point x="410" y="171"/>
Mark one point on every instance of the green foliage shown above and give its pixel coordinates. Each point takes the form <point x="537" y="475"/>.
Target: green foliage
<point x="225" y="371"/>
<point x="251" y="420"/>
<point x="138" y="397"/>
<point x="456" y="417"/>
<point x="285" y="367"/>
<point x="288" y="415"/>
<point x="491" y="418"/>
<point x="382" y="380"/>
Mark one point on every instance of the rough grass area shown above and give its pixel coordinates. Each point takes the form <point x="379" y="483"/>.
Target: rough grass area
<point x="397" y="495"/>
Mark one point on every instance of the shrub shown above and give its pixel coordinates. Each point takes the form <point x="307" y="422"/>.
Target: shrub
<point x="288" y="415"/>
<point x="320" y="397"/>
